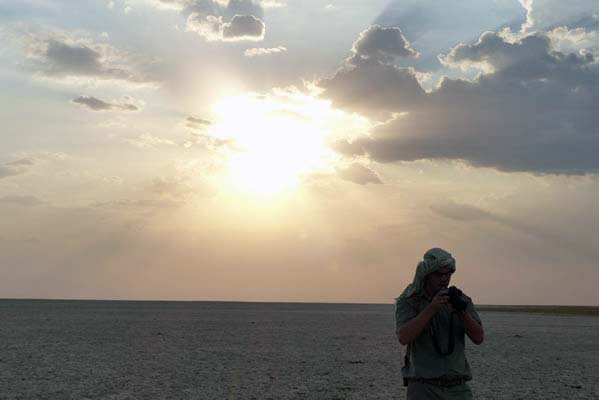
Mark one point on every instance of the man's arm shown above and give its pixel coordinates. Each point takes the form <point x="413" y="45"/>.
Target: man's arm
<point x="473" y="328"/>
<point x="413" y="328"/>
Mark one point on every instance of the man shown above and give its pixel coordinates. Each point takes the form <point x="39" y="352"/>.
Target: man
<point x="434" y="330"/>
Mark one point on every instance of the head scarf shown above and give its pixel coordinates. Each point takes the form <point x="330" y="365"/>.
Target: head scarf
<point x="433" y="259"/>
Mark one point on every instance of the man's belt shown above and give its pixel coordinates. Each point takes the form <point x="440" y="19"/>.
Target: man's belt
<point x="440" y="381"/>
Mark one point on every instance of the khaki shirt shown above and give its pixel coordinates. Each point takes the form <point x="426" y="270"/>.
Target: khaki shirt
<point x="425" y="361"/>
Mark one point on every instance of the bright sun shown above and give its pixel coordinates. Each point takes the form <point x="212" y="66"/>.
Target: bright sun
<point x="273" y="143"/>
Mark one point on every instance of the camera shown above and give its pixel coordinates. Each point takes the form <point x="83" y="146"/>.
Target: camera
<point x="456" y="298"/>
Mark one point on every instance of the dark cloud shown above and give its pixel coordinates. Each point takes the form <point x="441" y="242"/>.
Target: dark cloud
<point x="217" y="21"/>
<point x="218" y="9"/>
<point x="494" y="52"/>
<point x="368" y="82"/>
<point x="359" y="174"/>
<point x="63" y="57"/>
<point x="193" y="122"/>
<point x="244" y="27"/>
<point x="383" y="44"/>
<point x="67" y="58"/>
<point x="534" y="110"/>
<point x="244" y="7"/>
<point x="95" y="104"/>
<point x="373" y="88"/>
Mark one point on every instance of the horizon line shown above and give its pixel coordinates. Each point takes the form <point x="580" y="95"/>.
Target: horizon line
<point x="273" y="302"/>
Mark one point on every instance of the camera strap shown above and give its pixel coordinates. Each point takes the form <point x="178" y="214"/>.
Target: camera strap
<point x="451" y="338"/>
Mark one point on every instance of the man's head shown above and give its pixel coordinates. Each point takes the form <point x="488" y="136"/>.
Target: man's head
<point x="435" y="259"/>
<point x="438" y="280"/>
<point x="442" y="267"/>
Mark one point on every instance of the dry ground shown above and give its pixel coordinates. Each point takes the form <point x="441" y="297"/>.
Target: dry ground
<point x="167" y="350"/>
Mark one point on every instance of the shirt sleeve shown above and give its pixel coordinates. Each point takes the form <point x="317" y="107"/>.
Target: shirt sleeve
<point x="404" y="311"/>
<point x="470" y="309"/>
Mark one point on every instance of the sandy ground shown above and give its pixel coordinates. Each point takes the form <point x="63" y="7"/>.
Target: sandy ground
<point x="154" y="350"/>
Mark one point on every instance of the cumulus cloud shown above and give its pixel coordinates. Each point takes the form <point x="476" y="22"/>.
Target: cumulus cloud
<point x="244" y="27"/>
<point x="218" y="20"/>
<point x="576" y="40"/>
<point x="547" y="14"/>
<point x="95" y="104"/>
<point x="383" y="44"/>
<point x="492" y="52"/>
<point x="261" y="51"/>
<point x="368" y="82"/>
<point x="532" y="109"/>
<point x="70" y="59"/>
<point x="359" y="174"/>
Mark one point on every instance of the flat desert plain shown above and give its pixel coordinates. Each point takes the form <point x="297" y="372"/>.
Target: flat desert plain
<point x="217" y="350"/>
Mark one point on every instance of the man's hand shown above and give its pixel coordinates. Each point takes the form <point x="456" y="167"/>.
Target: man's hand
<point x="439" y="302"/>
<point x="473" y="328"/>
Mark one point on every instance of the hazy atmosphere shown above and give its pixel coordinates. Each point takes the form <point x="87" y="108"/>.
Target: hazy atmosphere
<point x="281" y="150"/>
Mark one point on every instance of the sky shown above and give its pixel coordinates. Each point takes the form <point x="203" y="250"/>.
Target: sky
<point x="311" y="151"/>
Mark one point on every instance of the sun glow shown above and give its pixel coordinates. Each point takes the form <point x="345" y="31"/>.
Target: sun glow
<point x="273" y="143"/>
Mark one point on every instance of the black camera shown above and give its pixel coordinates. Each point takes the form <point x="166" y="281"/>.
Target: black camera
<point x="456" y="298"/>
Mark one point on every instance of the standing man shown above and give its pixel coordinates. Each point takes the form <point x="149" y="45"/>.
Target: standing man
<point x="432" y="321"/>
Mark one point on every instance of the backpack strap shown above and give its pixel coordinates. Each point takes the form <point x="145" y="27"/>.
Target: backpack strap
<point x="406" y="362"/>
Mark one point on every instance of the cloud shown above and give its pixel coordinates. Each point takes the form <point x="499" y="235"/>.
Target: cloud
<point x="196" y="123"/>
<point x="493" y="53"/>
<point x="17" y="167"/>
<point x="218" y="20"/>
<point x="261" y="51"/>
<point x="70" y="59"/>
<point x="547" y="14"/>
<point x="95" y="104"/>
<point x="373" y="88"/>
<point x="210" y="142"/>
<point x="272" y="4"/>
<point x="532" y="109"/>
<point x="469" y="213"/>
<point x="25" y="201"/>
<point x="213" y="28"/>
<point x="244" y="27"/>
<point x="359" y="174"/>
<point x="576" y="40"/>
<point x="147" y="140"/>
<point x="382" y="44"/>
<point x="368" y="82"/>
